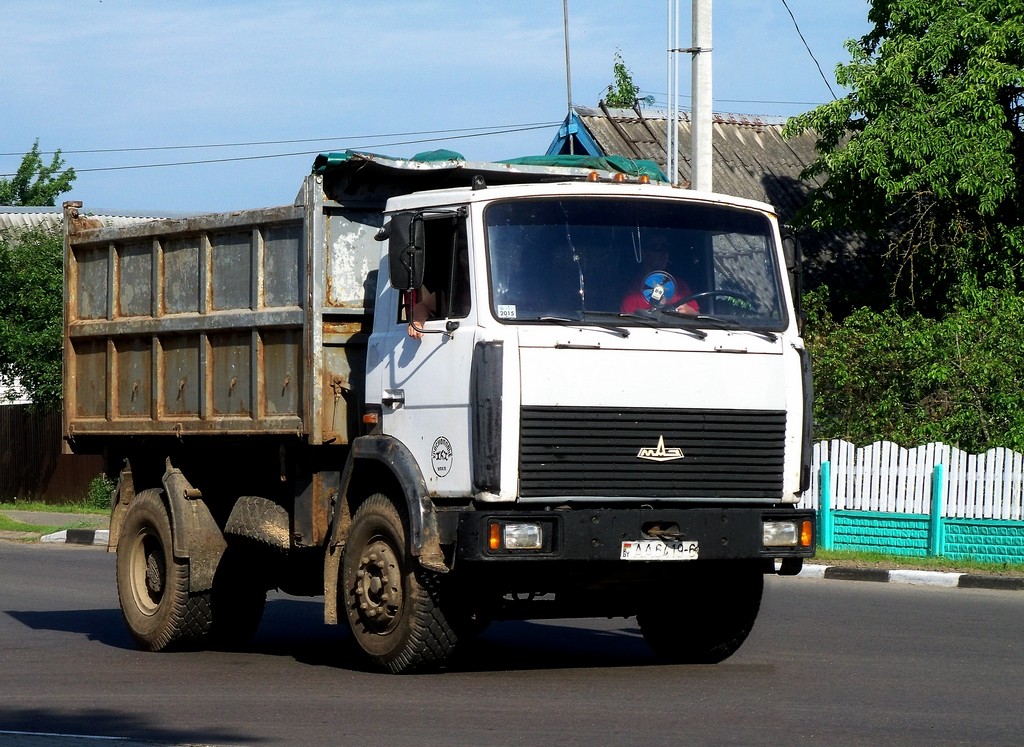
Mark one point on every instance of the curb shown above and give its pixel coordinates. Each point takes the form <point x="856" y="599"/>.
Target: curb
<point x="923" y="578"/>
<point x="78" y="536"/>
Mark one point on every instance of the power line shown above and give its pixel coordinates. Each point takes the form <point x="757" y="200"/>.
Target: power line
<point x="808" y="48"/>
<point x="510" y="129"/>
<point x="479" y="130"/>
<point x="660" y="95"/>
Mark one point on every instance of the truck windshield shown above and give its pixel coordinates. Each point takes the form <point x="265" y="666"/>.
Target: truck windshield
<point x="636" y="261"/>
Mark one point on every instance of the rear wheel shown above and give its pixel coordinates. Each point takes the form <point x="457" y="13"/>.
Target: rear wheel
<point x="390" y="602"/>
<point x="152" y="585"/>
<point x="706" y="617"/>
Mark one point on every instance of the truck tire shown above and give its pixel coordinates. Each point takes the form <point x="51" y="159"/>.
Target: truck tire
<point x="152" y="585"/>
<point x="706" y="618"/>
<point x="391" y="602"/>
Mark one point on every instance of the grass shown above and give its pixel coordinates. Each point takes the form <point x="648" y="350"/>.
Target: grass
<point x="948" y="565"/>
<point x="10" y="525"/>
<point x="63" y="508"/>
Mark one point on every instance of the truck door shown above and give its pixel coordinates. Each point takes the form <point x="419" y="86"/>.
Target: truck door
<point x="427" y="361"/>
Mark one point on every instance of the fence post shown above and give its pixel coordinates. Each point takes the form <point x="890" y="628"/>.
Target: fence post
<point x="825" y="506"/>
<point x="935" y="539"/>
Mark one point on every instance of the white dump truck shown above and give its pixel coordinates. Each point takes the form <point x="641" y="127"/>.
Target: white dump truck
<point x="441" y="393"/>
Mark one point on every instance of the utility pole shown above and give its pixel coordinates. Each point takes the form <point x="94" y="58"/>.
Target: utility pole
<point x="568" y="74"/>
<point x="700" y="117"/>
<point x="672" y="116"/>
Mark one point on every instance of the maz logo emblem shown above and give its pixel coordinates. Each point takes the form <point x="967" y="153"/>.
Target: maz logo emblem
<point x="660" y="453"/>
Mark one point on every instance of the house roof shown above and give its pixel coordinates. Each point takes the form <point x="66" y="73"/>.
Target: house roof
<point x="750" y="159"/>
<point x="19" y="218"/>
<point x="12" y="392"/>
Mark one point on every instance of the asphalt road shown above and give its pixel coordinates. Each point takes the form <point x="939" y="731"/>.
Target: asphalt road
<point x="829" y="662"/>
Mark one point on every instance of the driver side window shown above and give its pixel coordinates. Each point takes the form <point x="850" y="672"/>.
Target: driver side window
<point x="445" y="293"/>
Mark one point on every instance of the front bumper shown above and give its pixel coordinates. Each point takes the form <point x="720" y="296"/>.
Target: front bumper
<point x="574" y="534"/>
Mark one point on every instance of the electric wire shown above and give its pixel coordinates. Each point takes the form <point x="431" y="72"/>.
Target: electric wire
<point x="266" y="156"/>
<point x="478" y="130"/>
<point x="808" y="48"/>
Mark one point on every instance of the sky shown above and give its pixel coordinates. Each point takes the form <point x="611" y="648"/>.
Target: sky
<point x="215" y="105"/>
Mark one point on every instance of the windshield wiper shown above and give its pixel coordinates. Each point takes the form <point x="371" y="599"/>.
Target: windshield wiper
<point x="649" y="321"/>
<point x="564" y="321"/>
<point x="720" y="323"/>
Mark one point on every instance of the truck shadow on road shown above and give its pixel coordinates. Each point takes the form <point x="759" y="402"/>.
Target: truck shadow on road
<point x="102" y="625"/>
<point x="294" y="628"/>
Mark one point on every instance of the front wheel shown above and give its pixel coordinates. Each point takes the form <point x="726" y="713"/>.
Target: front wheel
<point x="706" y="616"/>
<point x="152" y="585"/>
<point x="390" y="602"/>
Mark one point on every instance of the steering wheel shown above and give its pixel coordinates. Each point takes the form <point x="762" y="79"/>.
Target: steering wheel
<point x="658" y="288"/>
<point x="736" y="295"/>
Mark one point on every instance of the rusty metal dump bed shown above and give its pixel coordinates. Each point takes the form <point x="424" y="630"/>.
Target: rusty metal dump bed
<point x="238" y="323"/>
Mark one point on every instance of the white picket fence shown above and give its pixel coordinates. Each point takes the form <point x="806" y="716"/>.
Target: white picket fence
<point x="889" y="478"/>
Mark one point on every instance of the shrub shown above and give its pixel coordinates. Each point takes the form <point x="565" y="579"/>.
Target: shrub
<point x="99" y="492"/>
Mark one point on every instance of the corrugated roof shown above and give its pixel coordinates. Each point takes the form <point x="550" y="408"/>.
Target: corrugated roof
<point x="13" y="393"/>
<point x="29" y="217"/>
<point x="750" y="158"/>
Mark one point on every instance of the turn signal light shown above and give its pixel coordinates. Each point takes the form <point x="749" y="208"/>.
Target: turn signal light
<point x="513" y="537"/>
<point x="806" y="533"/>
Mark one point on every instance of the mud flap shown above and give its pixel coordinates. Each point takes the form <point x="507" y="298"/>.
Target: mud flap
<point x="195" y="535"/>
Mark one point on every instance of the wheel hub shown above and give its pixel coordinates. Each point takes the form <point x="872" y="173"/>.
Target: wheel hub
<point x="378" y="587"/>
<point x="154" y="575"/>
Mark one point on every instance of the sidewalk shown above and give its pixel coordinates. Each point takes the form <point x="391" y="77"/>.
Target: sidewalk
<point x="92" y="529"/>
<point x="909" y="576"/>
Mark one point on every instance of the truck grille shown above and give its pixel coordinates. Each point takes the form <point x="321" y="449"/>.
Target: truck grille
<point x="576" y="451"/>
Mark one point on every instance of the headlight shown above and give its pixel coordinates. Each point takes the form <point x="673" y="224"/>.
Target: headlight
<point x="521" y="536"/>
<point x="781" y="534"/>
<point x="788" y="533"/>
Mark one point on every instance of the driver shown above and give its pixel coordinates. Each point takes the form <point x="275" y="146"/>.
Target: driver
<point x="654" y="283"/>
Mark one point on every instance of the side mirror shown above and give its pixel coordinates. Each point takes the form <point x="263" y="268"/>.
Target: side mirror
<point x="793" y="254"/>
<point x="405" y="237"/>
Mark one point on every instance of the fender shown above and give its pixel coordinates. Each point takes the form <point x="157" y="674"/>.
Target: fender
<point x="423" y="530"/>
<point x="195" y="536"/>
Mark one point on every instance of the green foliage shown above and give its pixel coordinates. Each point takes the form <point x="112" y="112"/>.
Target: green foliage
<point x="927" y="151"/>
<point x="623" y="93"/>
<point x="100" y="489"/>
<point x="910" y="379"/>
<point x="31" y="311"/>
<point x="35" y="183"/>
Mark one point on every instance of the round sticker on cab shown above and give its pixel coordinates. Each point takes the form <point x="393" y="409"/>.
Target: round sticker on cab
<point x="441" y="456"/>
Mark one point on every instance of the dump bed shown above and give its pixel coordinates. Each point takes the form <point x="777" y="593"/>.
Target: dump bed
<point x="234" y="323"/>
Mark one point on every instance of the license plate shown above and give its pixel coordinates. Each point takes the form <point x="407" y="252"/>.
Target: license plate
<point x="660" y="550"/>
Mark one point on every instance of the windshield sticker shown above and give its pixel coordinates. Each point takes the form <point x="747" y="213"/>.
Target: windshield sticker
<point x="441" y="456"/>
<point x="506" y="311"/>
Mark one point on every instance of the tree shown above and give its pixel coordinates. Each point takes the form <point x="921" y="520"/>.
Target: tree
<point x="927" y="151"/>
<point x="31" y="311"/>
<point x="623" y="93"/>
<point x="36" y="183"/>
<point x="882" y="375"/>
